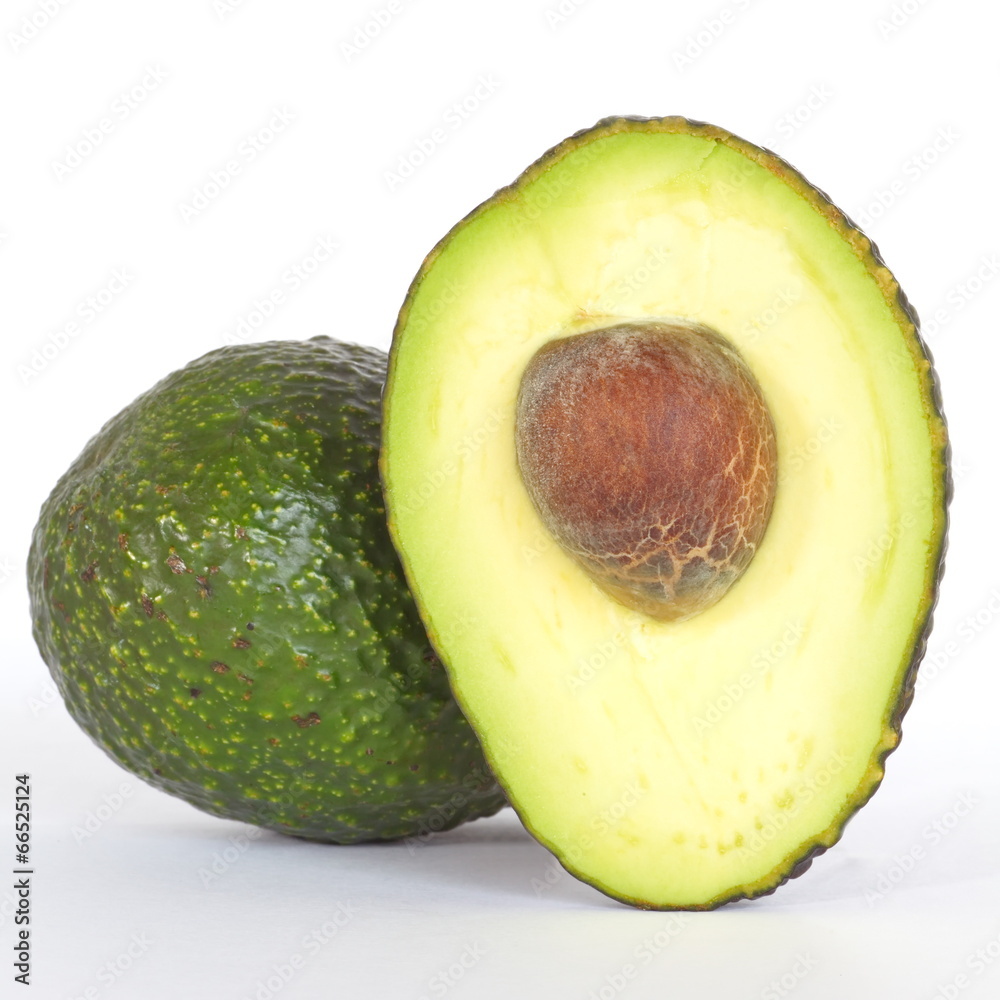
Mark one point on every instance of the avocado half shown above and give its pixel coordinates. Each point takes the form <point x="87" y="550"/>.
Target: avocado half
<point x="674" y="763"/>
<point x="215" y="593"/>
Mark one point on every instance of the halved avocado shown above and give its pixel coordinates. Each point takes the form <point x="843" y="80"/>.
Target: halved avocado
<point x="671" y="760"/>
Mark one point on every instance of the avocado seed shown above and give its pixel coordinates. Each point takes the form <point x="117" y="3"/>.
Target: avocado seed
<point x="649" y="453"/>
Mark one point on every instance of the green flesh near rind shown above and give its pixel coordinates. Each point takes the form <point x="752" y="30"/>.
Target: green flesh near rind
<point x="674" y="765"/>
<point x="215" y="592"/>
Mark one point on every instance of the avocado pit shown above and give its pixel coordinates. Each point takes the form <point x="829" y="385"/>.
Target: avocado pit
<point x="648" y="451"/>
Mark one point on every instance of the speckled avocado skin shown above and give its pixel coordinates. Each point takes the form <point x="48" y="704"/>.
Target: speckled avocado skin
<point x="214" y="590"/>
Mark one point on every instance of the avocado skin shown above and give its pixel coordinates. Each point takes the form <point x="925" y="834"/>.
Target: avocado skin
<point x="215" y="593"/>
<point x="865" y="249"/>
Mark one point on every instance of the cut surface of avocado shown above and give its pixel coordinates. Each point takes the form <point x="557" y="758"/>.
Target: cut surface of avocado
<point x="674" y="763"/>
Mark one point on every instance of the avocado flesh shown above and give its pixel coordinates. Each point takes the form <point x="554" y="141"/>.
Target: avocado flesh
<point x="674" y="764"/>
<point x="215" y="592"/>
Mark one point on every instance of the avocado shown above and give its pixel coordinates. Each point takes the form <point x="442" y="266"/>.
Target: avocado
<point x="214" y="590"/>
<point x="665" y="461"/>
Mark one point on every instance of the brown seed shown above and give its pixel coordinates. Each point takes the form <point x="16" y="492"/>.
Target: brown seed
<point x="649" y="453"/>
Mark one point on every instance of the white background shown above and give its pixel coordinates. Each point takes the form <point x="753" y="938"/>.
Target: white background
<point x="893" y="114"/>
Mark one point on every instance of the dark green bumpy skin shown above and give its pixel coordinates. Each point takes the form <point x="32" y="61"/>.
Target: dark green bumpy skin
<point x="214" y="590"/>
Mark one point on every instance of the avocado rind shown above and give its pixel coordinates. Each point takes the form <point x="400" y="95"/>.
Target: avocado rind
<point x="214" y="591"/>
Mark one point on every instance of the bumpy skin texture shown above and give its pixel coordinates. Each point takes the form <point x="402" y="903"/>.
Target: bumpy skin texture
<point x="214" y="590"/>
<point x="649" y="453"/>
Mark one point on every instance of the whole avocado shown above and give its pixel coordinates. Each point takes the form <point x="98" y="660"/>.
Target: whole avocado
<point x="214" y="590"/>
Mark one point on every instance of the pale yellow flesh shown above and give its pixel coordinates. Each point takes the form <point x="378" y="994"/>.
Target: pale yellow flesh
<point x="675" y="764"/>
